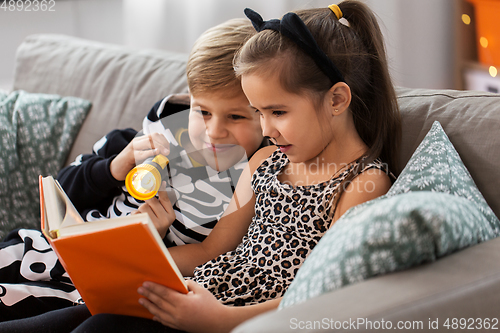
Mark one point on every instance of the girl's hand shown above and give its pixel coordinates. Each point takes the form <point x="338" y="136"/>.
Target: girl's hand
<point x="160" y="211"/>
<point x="139" y="149"/>
<point x="197" y="311"/>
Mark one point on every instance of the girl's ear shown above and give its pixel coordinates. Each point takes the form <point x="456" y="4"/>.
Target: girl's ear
<point x="339" y="98"/>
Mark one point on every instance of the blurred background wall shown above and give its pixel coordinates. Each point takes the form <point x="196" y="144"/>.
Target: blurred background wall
<point x="420" y="34"/>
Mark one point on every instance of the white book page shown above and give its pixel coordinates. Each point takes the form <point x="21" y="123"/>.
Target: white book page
<point x="59" y="210"/>
<point x="55" y="207"/>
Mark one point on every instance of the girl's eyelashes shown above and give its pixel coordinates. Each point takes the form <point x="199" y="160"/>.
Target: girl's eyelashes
<point x="274" y="113"/>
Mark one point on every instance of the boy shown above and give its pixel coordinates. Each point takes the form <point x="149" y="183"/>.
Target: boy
<point x="219" y="119"/>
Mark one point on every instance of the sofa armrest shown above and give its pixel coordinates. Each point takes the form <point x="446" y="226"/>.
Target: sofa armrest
<point x="122" y="84"/>
<point x="463" y="285"/>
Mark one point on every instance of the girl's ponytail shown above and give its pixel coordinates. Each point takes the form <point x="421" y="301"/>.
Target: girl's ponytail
<point x="374" y="105"/>
<point x="376" y="112"/>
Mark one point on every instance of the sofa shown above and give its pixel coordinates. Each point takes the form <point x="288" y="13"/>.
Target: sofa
<point x="122" y="84"/>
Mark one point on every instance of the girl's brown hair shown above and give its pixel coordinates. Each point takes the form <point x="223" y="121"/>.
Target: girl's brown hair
<point x="358" y="51"/>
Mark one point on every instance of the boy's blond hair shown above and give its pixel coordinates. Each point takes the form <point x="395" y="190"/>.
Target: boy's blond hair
<point x="210" y="64"/>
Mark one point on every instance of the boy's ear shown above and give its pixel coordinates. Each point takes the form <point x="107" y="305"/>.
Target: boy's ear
<point x="339" y="98"/>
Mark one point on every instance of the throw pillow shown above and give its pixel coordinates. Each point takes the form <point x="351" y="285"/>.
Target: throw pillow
<point x="36" y="133"/>
<point x="389" y="233"/>
<point x="385" y="235"/>
<point x="436" y="166"/>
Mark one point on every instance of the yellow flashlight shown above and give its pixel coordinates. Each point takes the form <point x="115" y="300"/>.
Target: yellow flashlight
<point x="143" y="181"/>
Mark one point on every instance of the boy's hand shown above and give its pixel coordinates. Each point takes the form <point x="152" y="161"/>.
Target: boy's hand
<point x="196" y="311"/>
<point x="139" y="149"/>
<point x="160" y="211"/>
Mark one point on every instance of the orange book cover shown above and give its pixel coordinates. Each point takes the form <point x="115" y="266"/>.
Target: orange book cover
<point x="107" y="260"/>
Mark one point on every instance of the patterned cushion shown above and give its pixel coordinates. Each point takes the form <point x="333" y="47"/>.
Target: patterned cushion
<point x="386" y="235"/>
<point x="36" y="133"/>
<point x="436" y="166"/>
<point x="433" y="209"/>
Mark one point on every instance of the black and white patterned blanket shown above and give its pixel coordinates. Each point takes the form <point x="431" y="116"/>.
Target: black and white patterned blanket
<point x="32" y="280"/>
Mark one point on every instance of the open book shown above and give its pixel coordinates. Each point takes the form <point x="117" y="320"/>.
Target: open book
<point x="107" y="260"/>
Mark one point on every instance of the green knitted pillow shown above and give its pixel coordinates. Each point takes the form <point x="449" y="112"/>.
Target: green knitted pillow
<point x="433" y="209"/>
<point x="36" y="134"/>
<point x="436" y="166"/>
<point x="386" y="235"/>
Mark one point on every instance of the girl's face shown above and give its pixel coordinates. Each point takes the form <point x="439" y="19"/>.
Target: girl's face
<point x="289" y="120"/>
<point x="223" y="130"/>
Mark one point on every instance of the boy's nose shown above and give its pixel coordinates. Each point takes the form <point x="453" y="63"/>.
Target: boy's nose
<point x="216" y="128"/>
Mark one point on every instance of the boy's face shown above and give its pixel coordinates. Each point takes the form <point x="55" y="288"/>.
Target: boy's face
<point x="223" y="129"/>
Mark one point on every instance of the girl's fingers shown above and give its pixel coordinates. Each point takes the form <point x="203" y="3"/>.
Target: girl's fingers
<point x="158" y="289"/>
<point x="160" y="296"/>
<point x="160" y="315"/>
<point x="194" y="287"/>
<point x="177" y="310"/>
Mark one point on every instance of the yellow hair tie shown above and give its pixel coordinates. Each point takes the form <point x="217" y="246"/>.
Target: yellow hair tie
<point x="336" y="10"/>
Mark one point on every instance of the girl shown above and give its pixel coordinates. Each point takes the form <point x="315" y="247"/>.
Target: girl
<point x="324" y="95"/>
<point x="325" y="98"/>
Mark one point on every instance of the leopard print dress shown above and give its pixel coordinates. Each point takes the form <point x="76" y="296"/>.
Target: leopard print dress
<point x="288" y="223"/>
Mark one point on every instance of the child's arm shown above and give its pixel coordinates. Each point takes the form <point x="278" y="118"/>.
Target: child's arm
<point x="367" y="186"/>
<point x="160" y="211"/>
<point x="229" y="231"/>
<point x="197" y="311"/>
<point x="88" y="181"/>
<point x="94" y="179"/>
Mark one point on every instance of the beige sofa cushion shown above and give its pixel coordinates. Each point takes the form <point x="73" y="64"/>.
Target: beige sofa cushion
<point x="122" y="84"/>
<point x="472" y="122"/>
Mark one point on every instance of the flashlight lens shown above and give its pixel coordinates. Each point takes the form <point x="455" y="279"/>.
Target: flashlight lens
<point x="144" y="181"/>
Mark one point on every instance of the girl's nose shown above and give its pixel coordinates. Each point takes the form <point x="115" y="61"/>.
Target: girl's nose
<point x="216" y="128"/>
<point x="268" y="129"/>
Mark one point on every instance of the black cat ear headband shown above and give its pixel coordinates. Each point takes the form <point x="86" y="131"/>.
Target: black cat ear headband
<point x="294" y="28"/>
